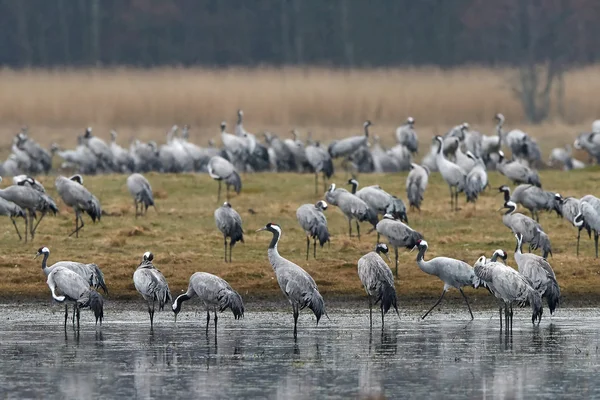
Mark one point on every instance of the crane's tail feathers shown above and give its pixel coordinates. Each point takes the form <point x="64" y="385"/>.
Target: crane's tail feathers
<point x="237" y="235"/>
<point x="98" y="279"/>
<point x="552" y="296"/>
<point x="327" y="168"/>
<point x="320" y="232"/>
<point x="535" y="301"/>
<point x="231" y="299"/>
<point x="163" y="295"/>
<point x="145" y="196"/>
<point x="235" y="181"/>
<point x="542" y="241"/>
<point x="94" y="301"/>
<point x="387" y="296"/>
<point x="316" y="303"/>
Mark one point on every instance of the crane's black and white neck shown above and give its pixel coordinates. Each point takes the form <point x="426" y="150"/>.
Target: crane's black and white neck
<point x="276" y="231"/>
<point x="366" y="125"/>
<point x="510" y="206"/>
<point x="46" y="253"/>
<point x="354" y="184"/>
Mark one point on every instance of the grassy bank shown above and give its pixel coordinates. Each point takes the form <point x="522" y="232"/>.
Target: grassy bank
<point x="184" y="238"/>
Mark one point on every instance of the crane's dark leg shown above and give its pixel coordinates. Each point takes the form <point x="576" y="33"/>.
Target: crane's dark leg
<point x="66" y="314"/>
<point x="596" y="242"/>
<point x="77" y="308"/>
<point x="350" y="227"/>
<point x="358" y="229"/>
<point x="466" y="301"/>
<point x="396" y="251"/>
<point x="135" y="203"/>
<point x="38" y="222"/>
<point x="77" y="227"/>
<point x="17" y="229"/>
<point x="216" y="318"/>
<point x="435" y="305"/>
<point x="151" y="313"/>
<point x="74" y="312"/>
<point x="578" y="236"/>
<point x="456" y="199"/>
<point x="382" y="321"/>
<point x="225" y="244"/>
<point x="370" y="311"/>
<point x="307" y="246"/>
<point x="26" y="227"/>
<point x="219" y="192"/>
<point x="500" y="318"/>
<point x="511" y="316"/>
<point x="315" y="248"/>
<point x="451" y="199"/>
<point x="230" y="248"/>
<point x="296" y="312"/>
<point x="207" y="320"/>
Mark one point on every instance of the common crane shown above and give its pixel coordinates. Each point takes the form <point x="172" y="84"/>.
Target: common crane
<point x="454" y="175"/>
<point x="398" y="234"/>
<point x="313" y="221"/>
<point x="569" y="207"/>
<point x="141" y="191"/>
<point x="67" y="285"/>
<point x="540" y="273"/>
<point x="406" y="135"/>
<point x="346" y="147"/>
<point x="11" y="210"/>
<point x="378" y="281"/>
<point x="296" y="284"/>
<point x="517" y="172"/>
<point x="416" y="183"/>
<point x="236" y="147"/>
<point x="229" y="223"/>
<point x="454" y="273"/>
<point x="492" y="144"/>
<point x="222" y="170"/>
<point x="533" y="198"/>
<point x="90" y="272"/>
<point x="476" y="181"/>
<point x="152" y="285"/>
<point x="499" y="254"/>
<point x="509" y="286"/>
<point x="589" y="215"/>
<point x="379" y="200"/>
<point x="214" y="293"/>
<point x="75" y="195"/>
<point x="26" y="180"/>
<point x="320" y="161"/>
<point x="352" y="207"/>
<point x="532" y="231"/>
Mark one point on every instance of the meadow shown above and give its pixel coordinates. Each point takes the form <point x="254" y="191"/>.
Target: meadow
<point x="184" y="239"/>
<point x="58" y="104"/>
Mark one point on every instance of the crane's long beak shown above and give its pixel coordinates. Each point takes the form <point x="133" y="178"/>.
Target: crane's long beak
<point x="388" y="257"/>
<point x="264" y="228"/>
<point x="500" y="209"/>
<point x="37" y="255"/>
<point x="411" y="250"/>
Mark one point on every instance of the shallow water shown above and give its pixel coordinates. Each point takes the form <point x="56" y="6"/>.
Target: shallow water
<point x="443" y="356"/>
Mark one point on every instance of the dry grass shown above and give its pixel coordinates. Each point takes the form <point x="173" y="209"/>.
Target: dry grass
<point x="184" y="238"/>
<point x="273" y="97"/>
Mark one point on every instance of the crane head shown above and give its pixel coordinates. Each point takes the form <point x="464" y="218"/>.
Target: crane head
<point x="500" y="253"/>
<point x="148" y="256"/>
<point x="42" y="250"/>
<point x="410" y="121"/>
<point x="226" y="204"/>
<point x="223" y="126"/>
<point x="271" y="227"/>
<point x="481" y="261"/>
<point x="421" y="243"/>
<point x="321" y="204"/>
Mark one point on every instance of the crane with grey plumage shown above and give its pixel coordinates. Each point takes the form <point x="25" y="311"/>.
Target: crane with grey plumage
<point x="141" y="191"/>
<point x="90" y="272"/>
<point x="11" y="210"/>
<point x="406" y="135"/>
<point x="296" y="284"/>
<point x="26" y="180"/>
<point x="46" y="205"/>
<point x="222" y="170"/>
<point x="68" y="286"/>
<point x="378" y="281"/>
<point x="517" y="172"/>
<point x="152" y="285"/>
<point x="569" y="208"/>
<point x="509" y="286"/>
<point x="75" y="195"/>
<point x="320" y="161"/>
<point x="416" y="183"/>
<point x="476" y="181"/>
<point x="214" y="293"/>
<point x="454" y="175"/>
<point x="589" y="215"/>
<point x="229" y="223"/>
<point x="499" y="254"/>
<point x="346" y="147"/>
<point x="454" y="273"/>
<point x="235" y="146"/>
<point x="531" y="230"/>
<point x="539" y="271"/>
<point x="533" y="198"/>
<point x="314" y="223"/>
<point x="379" y="200"/>
<point x="398" y="234"/>
<point x="352" y="207"/>
<point x="30" y="201"/>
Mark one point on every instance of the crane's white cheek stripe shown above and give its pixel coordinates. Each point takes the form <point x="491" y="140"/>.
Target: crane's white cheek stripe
<point x="278" y="229"/>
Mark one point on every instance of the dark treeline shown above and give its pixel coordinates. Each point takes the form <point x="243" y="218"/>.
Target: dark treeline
<point x="298" y="32"/>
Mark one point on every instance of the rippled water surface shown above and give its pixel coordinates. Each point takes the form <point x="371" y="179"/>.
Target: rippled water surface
<point x="257" y="357"/>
